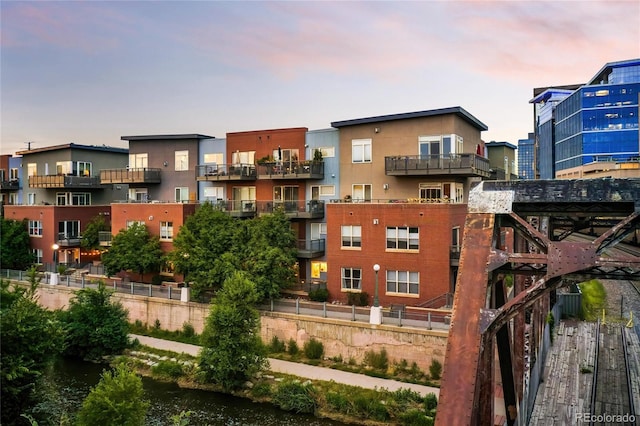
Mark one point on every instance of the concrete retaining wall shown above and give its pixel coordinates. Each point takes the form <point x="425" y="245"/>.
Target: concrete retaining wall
<point x="340" y="337"/>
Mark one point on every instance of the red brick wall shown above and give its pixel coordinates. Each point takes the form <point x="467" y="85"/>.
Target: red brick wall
<point x="435" y="222"/>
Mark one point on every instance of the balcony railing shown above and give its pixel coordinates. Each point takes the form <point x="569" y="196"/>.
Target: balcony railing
<point x="291" y="170"/>
<point x="68" y="240"/>
<point x="466" y="165"/>
<point x="63" y="181"/>
<point x="302" y="209"/>
<point x="104" y="238"/>
<point x="128" y="176"/>
<point x="10" y="185"/>
<point x="310" y="249"/>
<point x="224" y="172"/>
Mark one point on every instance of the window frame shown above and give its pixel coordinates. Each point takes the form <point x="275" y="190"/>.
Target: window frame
<point x="359" y="146"/>
<point x="392" y="279"/>
<point x="353" y="242"/>
<point x="344" y="280"/>
<point x="35" y="228"/>
<point x="412" y="235"/>
<point x="166" y="230"/>
<point x="181" y="160"/>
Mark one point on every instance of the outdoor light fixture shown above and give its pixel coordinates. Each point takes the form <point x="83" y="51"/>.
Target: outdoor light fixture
<point x="375" y="313"/>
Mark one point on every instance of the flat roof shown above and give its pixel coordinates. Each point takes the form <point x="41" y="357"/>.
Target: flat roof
<point x="75" y="146"/>
<point x="459" y="111"/>
<point x="606" y="69"/>
<point x="167" y="137"/>
<point x="503" y="143"/>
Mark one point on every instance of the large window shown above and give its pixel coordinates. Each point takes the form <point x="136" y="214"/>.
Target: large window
<point x="130" y="223"/>
<point x="213" y="193"/>
<point x="73" y="199"/>
<point x="138" y="161"/>
<point x="318" y="231"/>
<point x="318" y="191"/>
<point x="182" y="194"/>
<point x="244" y="157"/>
<point x="64" y="168"/>
<point x="166" y="231"/>
<point x="68" y="229"/>
<point x="361" y="150"/>
<point x="327" y="151"/>
<point x="84" y="168"/>
<point x="442" y="192"/>
<point x="32" y="169"/>
<point x="351" y="236"/>
<point x="351" y="278"/>
<point x="403" y="238"/>
<point x="361" y="192"/>
<point x="403" y="282"/>
<point x="214" y="158"/>
<point x="35" y="228"/>
<point x="182" y="160"/>
<point x="138" y="194"/>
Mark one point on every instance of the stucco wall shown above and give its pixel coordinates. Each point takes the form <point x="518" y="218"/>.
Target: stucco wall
<point x="340" y="337"/>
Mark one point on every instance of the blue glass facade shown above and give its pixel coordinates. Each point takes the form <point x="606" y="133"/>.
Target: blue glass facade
<point x="599" y="121"/>
<point x="527" y="158"/>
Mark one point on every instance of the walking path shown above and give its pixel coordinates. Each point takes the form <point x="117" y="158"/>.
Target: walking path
<point x="299" y="369"/>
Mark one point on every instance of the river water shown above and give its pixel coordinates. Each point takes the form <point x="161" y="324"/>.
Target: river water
<point x="73" y="380"/>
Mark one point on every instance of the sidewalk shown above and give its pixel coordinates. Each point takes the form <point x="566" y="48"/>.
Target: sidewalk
<point x="299" y="369"/>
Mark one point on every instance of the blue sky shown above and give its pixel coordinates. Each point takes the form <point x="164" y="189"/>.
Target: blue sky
<point x="90" y="72"/>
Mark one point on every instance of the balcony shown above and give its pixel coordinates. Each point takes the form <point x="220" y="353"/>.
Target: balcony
<point x="130" y="176"/>
<point x="295" y="209"/>
<point x="68" y="240"/>
<point x="10" y="185"/>
<point x="463" y="165"/>
<point x="310" y="249"/>
<point x="64" y="181"/>
<point x="291" y="170"/>
<point x="226" y="172"/>
<point x="104" y="238"/>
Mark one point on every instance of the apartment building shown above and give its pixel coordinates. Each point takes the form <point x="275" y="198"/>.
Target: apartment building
<point x="62" y="193"/>
<point x="10" y="179"/>
<point x="404" y="181"/>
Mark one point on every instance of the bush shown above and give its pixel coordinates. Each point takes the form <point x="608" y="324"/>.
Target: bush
<point x="435" y="369"/>
<point x="313" y="349"/>
<point x="156" y="280"/>
<point x="156" y="325"/>
<point x="188" y="330"/>
<point x="358" y="299"/>
<point x="261" y="390"/>
<point x="430" y="401"/>
<point x="319" y="295"/>
<point x="370" y="408"/>
<point x="415" y="417"/>
<point x="377" y="360"/>
<point x="276" y="346"/>
<point x="167" y="370"/>
<point x="292" y="347"/>
<point x="295" y="396"/>
<point x="338" y="402"/>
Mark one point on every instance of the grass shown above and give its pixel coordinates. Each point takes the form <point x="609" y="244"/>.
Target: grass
<point x="594" y="299"/>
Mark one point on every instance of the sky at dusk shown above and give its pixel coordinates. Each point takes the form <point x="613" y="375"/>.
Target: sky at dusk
<point x="90" y="72"/>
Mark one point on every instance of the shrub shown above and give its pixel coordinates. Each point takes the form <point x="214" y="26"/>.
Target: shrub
<point x="319" y="295"/>
<point x="358" y="299"/>
<point x="377" y="360"/>
<point x="295" y="396"/>
<point x="167" y="370"/>
<point x="156" y="280"/>
<point x="370" y="408"/>
<point x="261" y="390"/>
<point x="313" y="349"/>
<point x="156" y="325"/>
<point x="415" y="417"/>
<point x="292" y="347"/>
<point x="435" y="369"/>
<point x="338" y="402"/>
<point x="188" y="330"/>
<point x="430" y="401"/>
<point x="276" y="346"/>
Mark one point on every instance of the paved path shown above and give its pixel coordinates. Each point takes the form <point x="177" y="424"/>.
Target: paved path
<point x="299" y="369"/>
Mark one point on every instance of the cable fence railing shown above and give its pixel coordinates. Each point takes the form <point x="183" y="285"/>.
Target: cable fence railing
<point x="398" y="315"/>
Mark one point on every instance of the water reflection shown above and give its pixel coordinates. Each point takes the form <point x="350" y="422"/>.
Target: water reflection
<point x="74" y="379"/>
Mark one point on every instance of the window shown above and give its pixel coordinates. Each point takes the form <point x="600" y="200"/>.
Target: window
<point x="139" y="161"/>
<point x="64" y="168"/>
<point x="244" y="198"/>
<point x="130" y="223"/>
<point x="214" y="158"/>
<point x="318" y="231"/>
<point x="182" y="194"/>
<point x="455" y="239"/>
<point x="317" y="268"/>
<point x="32" y="169"/>
<point x="351" y="235"/>
<point x="286" y="156"/>
<point x="84" y="168"/>
<point x="437" y="192"/>
<point x="361" y="150"/>
<point x="73" y="199"/>
<point x="35" y="228"/>
<point x="13" y="174"/>
<point x="245" y="157"/>
<point x="318" y="191"/>
<point x="138" y="194"/>
<point x="68" y="229"/>
<point x="327" y="151"/>
<point x="37" y="253"/>
<point x="403" y="282"/>
<point x="13" y="198"/>
<point x="31" y="199"/>
<point x="213" y="193"/>
<point x="351" y="278"/>
<point x="361" y="192"/>
<point x="166" y="231"/>
<point x="182" y="160"/>
<point x="429" y="146"/>
<point x="403" y="238"/>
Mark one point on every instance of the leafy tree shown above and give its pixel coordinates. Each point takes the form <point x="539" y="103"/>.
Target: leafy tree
<point x="95" y="326"/>
<point x="116" y="400"/>
<point x="91" y="234"/>
<point x="15" y="252"/>
<point x="133" y="249"/>
<point x="31" y="341"/>
<point x="232" y="350"/>
<point x="202" y="248"/>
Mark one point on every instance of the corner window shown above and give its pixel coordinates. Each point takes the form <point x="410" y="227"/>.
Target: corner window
<point x="351" y="236"/>
<point x="361" y="150"/>
<point x="351" y="278"/>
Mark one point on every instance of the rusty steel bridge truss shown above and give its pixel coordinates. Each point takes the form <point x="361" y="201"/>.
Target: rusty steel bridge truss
<point x="519" y="246"/>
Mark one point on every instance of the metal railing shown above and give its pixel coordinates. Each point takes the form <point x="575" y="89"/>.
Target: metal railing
<point x="418" y="165"/>
<point x="127" y="175"/>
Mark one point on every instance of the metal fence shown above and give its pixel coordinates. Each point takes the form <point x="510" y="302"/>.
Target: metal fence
<point x="398" y="315"/>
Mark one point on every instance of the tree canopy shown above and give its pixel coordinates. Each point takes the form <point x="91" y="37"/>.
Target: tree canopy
<point x="133" y="249"/>
<point x="91" y="234"/>
<point x="232" y="351"/>
<point x="15" y="251"/>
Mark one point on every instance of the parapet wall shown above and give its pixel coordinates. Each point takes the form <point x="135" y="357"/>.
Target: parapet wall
<point x="344" y="338"/>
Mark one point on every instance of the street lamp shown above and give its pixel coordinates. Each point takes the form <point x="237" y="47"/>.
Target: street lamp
<point x="55" y="248"/>
<point x="376" y="303"/>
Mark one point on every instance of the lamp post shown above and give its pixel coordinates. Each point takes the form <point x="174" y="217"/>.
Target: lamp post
<point x="375" y="316"/>
<point x="54" y="274"/>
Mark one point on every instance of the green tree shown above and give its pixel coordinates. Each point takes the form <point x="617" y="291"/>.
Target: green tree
<point x="232" y="351"/>
<point x="31" y="341"/>
<point x="91" y="234"/>
<point x="15" y="251"/>
<point x="95" y="326"/>
<point x="133" y="249"/>
<point x="118" y="400"/>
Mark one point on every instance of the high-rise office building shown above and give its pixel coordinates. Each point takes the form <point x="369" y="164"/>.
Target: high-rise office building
<point x="527" y="157"/>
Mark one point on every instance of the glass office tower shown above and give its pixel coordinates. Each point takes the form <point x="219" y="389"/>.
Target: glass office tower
<point x="527" y="157"/>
